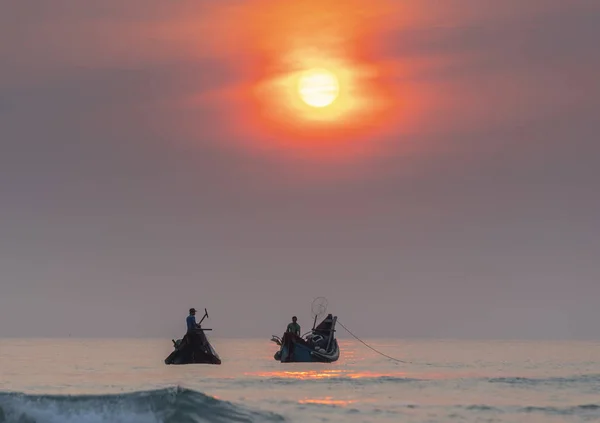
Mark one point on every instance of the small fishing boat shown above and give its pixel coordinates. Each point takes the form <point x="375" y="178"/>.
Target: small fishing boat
<point x="194" y="348"/>
<point x="318" y="346"/>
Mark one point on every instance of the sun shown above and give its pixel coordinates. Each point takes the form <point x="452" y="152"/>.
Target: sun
<point x="318" y="87"/>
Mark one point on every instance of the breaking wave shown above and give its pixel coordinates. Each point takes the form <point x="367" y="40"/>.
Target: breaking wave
<point x="171" y="405"/>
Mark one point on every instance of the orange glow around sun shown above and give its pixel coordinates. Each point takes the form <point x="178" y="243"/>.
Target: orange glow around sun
<point x="311" y="81"/>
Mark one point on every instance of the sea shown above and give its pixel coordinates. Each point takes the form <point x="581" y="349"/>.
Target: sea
<point x="126" y="381"/>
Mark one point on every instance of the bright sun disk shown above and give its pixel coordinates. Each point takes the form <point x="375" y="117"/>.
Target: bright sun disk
<point x="318" y="87"/>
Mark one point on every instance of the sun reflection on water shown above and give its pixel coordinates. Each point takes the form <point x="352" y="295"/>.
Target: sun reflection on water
<point x="325" y="374"/>
<point x="326" y="401"/>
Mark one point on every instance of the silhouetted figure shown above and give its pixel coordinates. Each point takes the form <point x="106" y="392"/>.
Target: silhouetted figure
<point x="191" y="320"/>
<point x="294" y="327"/>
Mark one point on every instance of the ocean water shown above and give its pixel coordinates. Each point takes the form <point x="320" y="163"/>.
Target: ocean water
<point x="107" y="380"/>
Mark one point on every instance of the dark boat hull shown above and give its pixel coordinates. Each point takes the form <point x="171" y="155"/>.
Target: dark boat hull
<point x="296" y="350"/>
<point x="194" y="348"/>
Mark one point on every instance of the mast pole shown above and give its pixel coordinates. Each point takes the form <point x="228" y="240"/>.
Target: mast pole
<point x="331" y="332"/>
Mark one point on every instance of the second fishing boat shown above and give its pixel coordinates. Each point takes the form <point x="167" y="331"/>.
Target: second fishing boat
<point x="318" y="346"/>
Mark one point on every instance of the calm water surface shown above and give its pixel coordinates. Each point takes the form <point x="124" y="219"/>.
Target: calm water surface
<point x="57" y="380"/>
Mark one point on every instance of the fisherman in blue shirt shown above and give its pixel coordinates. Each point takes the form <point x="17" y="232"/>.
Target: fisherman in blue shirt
<point x="191" y="321"/>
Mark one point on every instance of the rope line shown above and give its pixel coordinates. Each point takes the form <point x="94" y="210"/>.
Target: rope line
<point x="370" y="347"/>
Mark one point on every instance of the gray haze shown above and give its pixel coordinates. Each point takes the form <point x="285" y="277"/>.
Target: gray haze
<point x="122" y="204"/>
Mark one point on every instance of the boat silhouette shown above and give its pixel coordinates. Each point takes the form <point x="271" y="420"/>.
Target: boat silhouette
<point x="194" y="348"/>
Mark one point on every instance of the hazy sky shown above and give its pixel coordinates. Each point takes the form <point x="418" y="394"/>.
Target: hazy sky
<point x="141" y="172"/>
